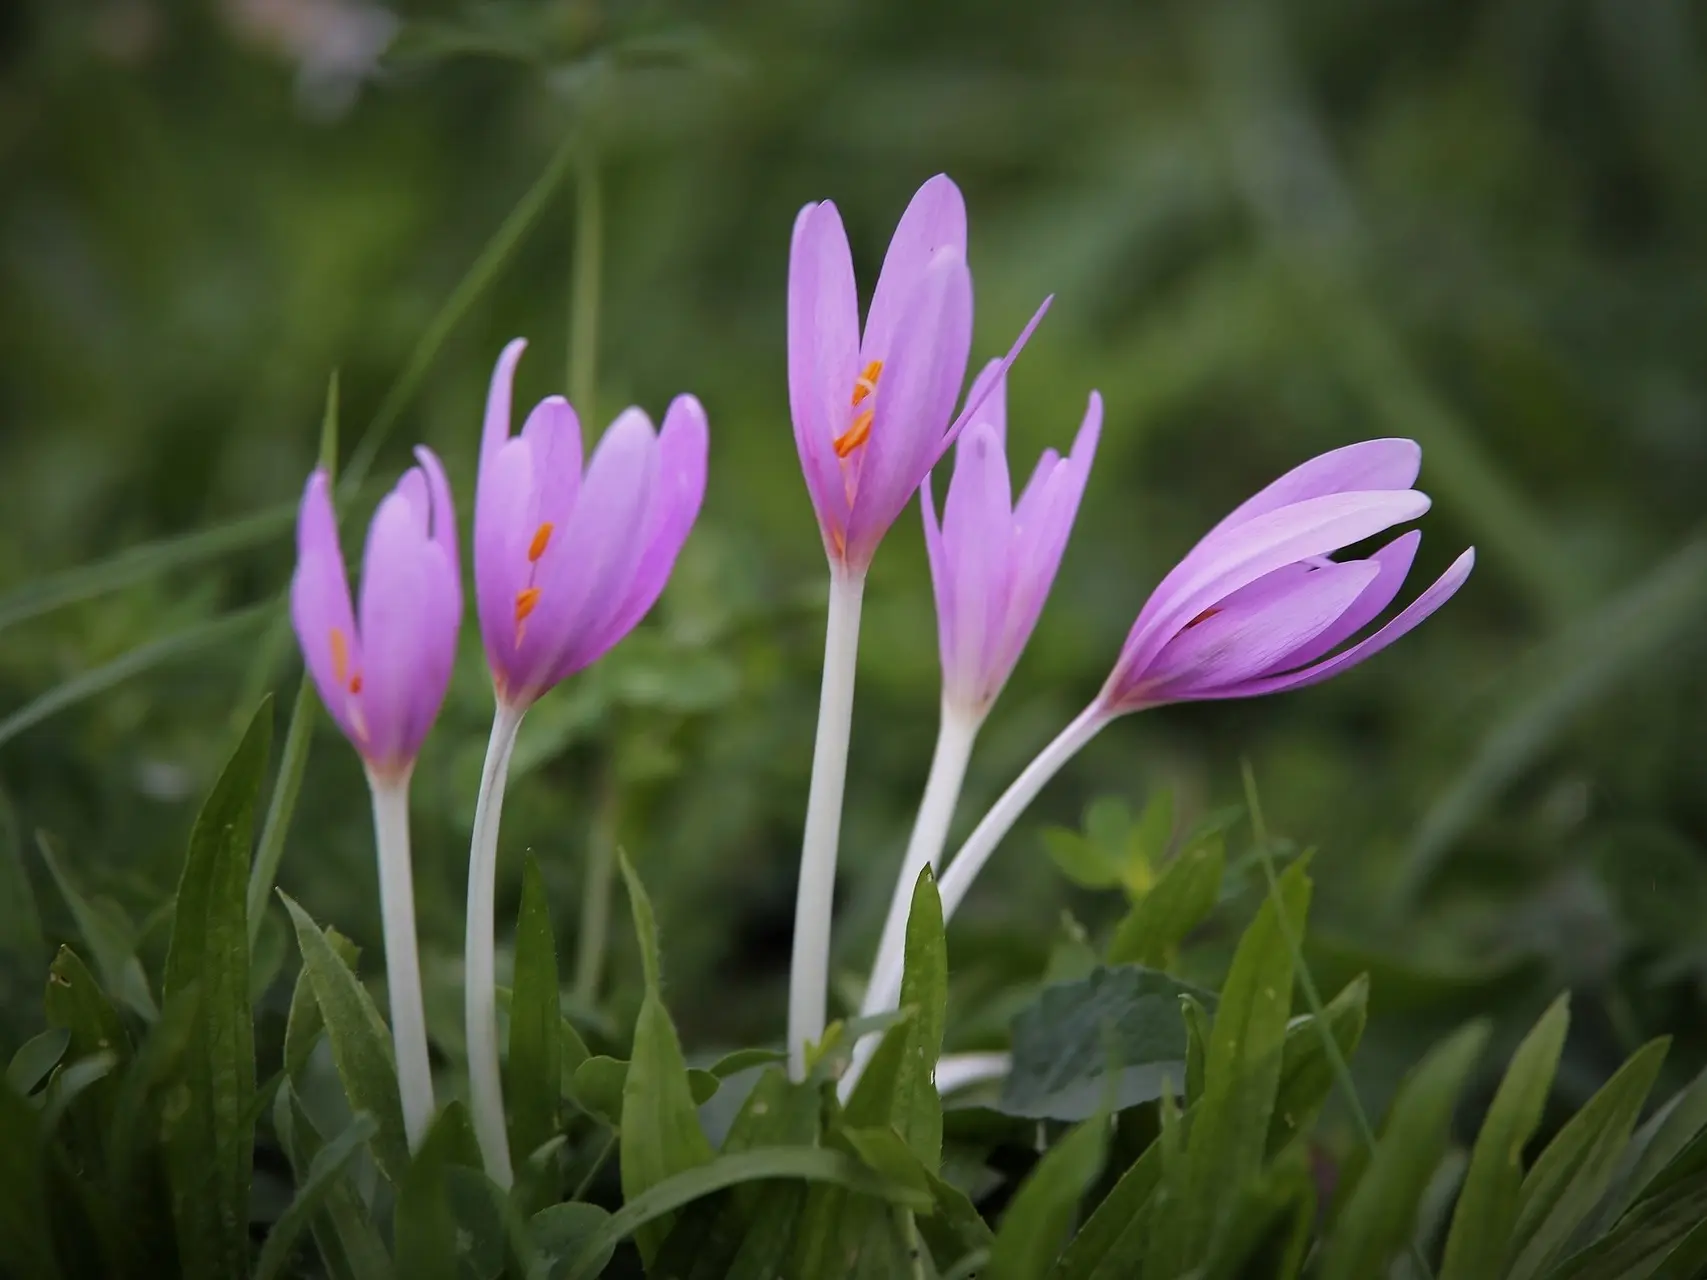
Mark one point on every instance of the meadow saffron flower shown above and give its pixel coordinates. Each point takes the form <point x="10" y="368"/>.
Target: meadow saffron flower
<point x="1258" y="606"/>
<point x="992" y="564"/>
<point x="873" y="411"/>
<point x="566" y="563"/>
<point x="382" y="671"/>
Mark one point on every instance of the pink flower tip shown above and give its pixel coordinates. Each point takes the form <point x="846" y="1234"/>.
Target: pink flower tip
<point x="873" y="407"/>
<point x="381" y="669"/>
<point x="1258" y="606"/>
<point x="566" y="563"/>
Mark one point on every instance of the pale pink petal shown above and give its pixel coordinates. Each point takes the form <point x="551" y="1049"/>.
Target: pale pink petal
<point x="1394" y="562"/>
<point x="1370" y="464"/>
<point x="935" y="219"/>
<point x="823" y="354"/>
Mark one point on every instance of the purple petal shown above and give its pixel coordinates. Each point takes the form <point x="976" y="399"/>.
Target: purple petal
<point x="1235" y="557"/>
<point x="1437" y="594"/>
<point x="395" y="618"/>
<point x="1393" y="562"/>
<point x="974" y="401"/>
<point x="442" y="528"/>
<point x="990" y="393"/>
<point x="1371" y="464"/>
<point x="823" y="355"/>
<point x="922" y="374"/>
<point x="553" y="435"/>
<point x="497" y="426"/>
<point x="503" y="528"/>
<point x="976" y="531"/>
<point x="676" y="499"/>
<point x="320" y="601"/>
<point x="935" y="220"/>
<point x="1250" y="637"/>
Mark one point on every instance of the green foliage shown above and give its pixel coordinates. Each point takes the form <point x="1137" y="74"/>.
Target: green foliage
<point x="534" y="1079"/>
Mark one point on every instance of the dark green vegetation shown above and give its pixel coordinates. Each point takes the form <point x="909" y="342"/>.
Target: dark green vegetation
<point x="1272" y="228"/>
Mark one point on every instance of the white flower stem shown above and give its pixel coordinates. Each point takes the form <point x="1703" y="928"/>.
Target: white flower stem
<point x="964" y="867"/>
<point x="402" y="960"/>
<point x="808" y="977"/>
<point x="956" y="733"/>
<point x="480" y="994"/>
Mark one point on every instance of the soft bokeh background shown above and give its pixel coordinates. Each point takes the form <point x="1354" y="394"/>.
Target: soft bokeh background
<point x="1271" y="229"/>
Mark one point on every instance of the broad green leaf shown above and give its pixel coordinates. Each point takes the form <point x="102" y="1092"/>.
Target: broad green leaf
<point x="26" y="1242"/>
<point x="1241" y="1073"/>
<point x="344" y="1233"/>
<point x="304" y="1024"/>
<point x="1108" y="825"/>
<point x="427" y="1242"/>
<point x="1479" y="1243"/>
<point x="110" y="940"/>
<point x="661" y="1136"/>
<point x="1181" y="897"/>
<point x="814" y="1164"/>
<point x="1568" y="1178"/>
<point x="535" y="1074"/>
<point x="1080" y="859"/>
<point x="731" y="1064"/>
<point x="1068" y="1040"/>
<point x="899" y="1087"/>
<point x="35" y="1058"/>
<point x="596" y="1085"/>
<point x="562" y="1232"/>
<point x="1036" y="1222"/>
<point x="361" y="1046"/>
<point x="887" y="1152"/>
<point x="1147" y="843"/>
<point x="209" y="1131"/>
<point x="1377" y="1221"/>
<point x="324" y="1174"/>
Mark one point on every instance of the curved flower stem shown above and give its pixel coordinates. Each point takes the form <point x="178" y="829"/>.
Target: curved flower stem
<point x="808" y="975"/>
<point x="956" y="733"/>
<point x="480" y="996"/>
<point x="966" y="864"/>
<point x="402" y="960"/>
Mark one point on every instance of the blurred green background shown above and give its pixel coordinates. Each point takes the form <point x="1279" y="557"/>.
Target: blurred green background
<point x="1272" y="228"/>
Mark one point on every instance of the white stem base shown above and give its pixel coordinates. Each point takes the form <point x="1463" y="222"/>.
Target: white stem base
<point x="956" y="733"/>
<point x="808" y="976"/>
<point x="402" y="959"/>
<point x="480" y="993"/>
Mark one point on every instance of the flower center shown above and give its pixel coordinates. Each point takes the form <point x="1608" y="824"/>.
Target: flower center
<point x="351" y="680"/>
<point x="857" y="434"/>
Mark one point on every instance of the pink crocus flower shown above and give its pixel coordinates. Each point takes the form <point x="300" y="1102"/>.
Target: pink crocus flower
<point x="992" y="560"/>
<point x="382" y="676"/>
<point x="566" y="563"/>
<point x="872" y="409"/>
<point x="1257" y="605"/>
<point x="382" y="670"/>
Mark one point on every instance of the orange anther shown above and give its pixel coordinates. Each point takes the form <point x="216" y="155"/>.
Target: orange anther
<point x="1202" y="617"/>
<point x="541" y="536"/>
<point x="526" y="599"/>
<point x="866" y="383"/>
<point x="340" y="655"/>
<point x="855" y="435"/>
<point x="356" y="683"/>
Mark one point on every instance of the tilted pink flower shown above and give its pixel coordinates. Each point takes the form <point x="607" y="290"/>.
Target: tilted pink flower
<point x="565" y="565"/>
<point x="1257" y="606"/>
<point x="382" y="675"/>
<point x="872" y="410"/>
<point x="992" y="561"/>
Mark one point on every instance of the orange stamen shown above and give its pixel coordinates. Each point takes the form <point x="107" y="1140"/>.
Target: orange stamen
<point x="356" y="683"/>
<point x="541" y="537"/>
<point x="855" y="435"/>
<point x="526" y="599"/>
<point x="866" y="383"/>
<point x="340" y="655"/>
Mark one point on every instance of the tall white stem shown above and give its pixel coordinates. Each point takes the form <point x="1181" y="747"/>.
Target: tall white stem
<point x="955" y="736"/>
<point x="402" y="960"/>
<point x="808" y="976"/>
<point x="964" y="867"/>
<point x="480" y="994"/>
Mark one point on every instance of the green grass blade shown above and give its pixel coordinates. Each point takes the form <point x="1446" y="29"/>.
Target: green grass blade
<point x="536" y="1045"/>
<point x="324" y="1172"/>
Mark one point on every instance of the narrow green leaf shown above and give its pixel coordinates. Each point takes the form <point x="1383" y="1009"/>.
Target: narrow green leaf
<point x="563" y="1232"/>
<point x="324" y="1175"/>
<point x="1306" y="1072"/>
<point x="731" y="1064"/>
<point x="661" y="1136"/>
<point x="1147" y="843"/>
<point x="1478" y="1245"/>
<point x="1168" y="1242"/>
<point x="1660" y="1140"/>
<point x="536" y="1047"/>
<point x="1036" y="1223"/>
<point x="210" y="1131"/>
<point x="1570" y="1175"/>
<point x="33" y="1061"/>
<point x="1197" y="1032"/>
<point x="1181" y="898"/>
<point x="20" y="920"/>
<point x="425" y="1230"/>
<point x="814" y="1164"/>
<point x="26" y="1242"/>
<point x="109" y="940"/>
<point x="1665" y="1235"/>
<point x="75" y="1002"/>
<point x="1241" y="1074"/>
<point x="1268" y="1230"/>
<point x="303" y="1024"/>
<point x="361" y="1046"/>
<point x="899" y="1087"/>
<point x="348" y="1243"/>
<point x="1377" y="1221"/>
